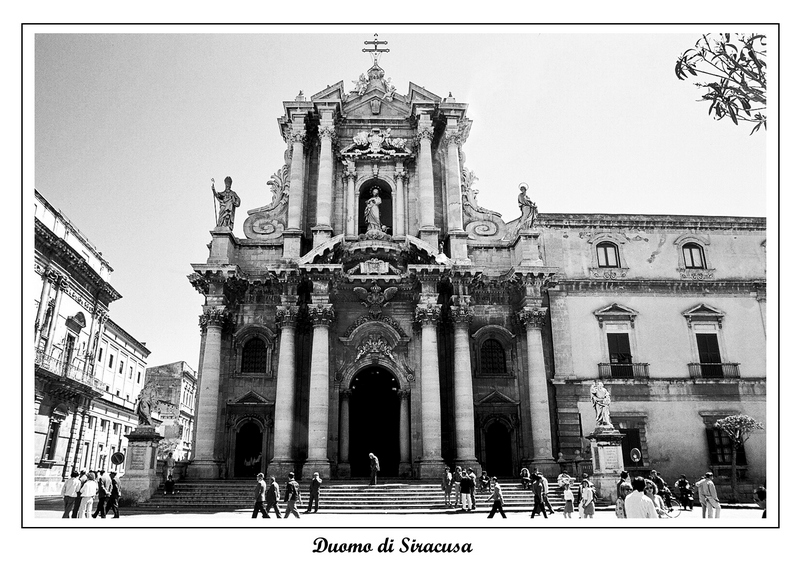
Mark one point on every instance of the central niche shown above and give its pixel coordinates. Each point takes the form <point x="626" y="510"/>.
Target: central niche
<point x="381" y="210"/>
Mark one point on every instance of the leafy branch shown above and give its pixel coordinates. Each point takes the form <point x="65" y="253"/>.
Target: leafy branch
<point x="737" y="70"/>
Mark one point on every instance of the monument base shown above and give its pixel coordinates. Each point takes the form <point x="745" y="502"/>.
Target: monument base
<point x="607" y="461"/>
<point x="141" y="479"/>
<point x="431" y="468"/>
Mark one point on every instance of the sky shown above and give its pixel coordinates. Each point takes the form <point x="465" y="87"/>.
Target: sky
<point x="130" y="127"/>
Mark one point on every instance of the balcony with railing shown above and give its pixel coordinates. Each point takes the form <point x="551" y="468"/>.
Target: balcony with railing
<point x="714" y="370"/>
<point x="66" y="371"/>
<point x="624" y="370"/>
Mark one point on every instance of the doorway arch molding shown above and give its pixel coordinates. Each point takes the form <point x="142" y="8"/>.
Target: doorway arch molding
<point x="375" y="343"/>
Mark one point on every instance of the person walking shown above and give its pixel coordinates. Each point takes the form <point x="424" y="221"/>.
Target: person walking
<point x="169" y="466"/>
<point x="545" y="490"/>
<point x="537" y="486"/>
<point x="292" y="497"/>
<point x="260" y="496"/>
<point x="587" y="499"/>
<point x="112" y="504"/>
<point x="637" y="504"/>
<point x="69" y="491"/>
<point x="497" y="500"/>
<point x="88" y="493"/>
<point x="374" y="468"/>
<point x="707" y="493"/>
<point x="313" y="492"/>
<point x="273" y="495"/>
<point x="447" y="485"/>
<point x="103" y="489"/>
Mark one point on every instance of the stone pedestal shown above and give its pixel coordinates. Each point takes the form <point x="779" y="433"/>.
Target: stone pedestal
<point x="606" y="461"/>
<point x="141" y="478"/>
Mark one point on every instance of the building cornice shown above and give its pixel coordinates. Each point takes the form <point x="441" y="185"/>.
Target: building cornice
<point x="649" y="222"/>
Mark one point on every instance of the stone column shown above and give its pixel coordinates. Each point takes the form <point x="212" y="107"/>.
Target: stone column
<point x="49" y="278"/>
<point x="282" y="463"/>
<point x="321" y="316"/>
<point x="322" y="231"/>
<point x="427" y="316"/>
<point x="399" y="229"/>
<point x="405" y="434"/>
<point x="344" y="427"/>
<point x="61" y="286"/>
<point x="425" y="165"/>
<point x="533" y="319"/>
<point x="206" y="464"/>
<point x="293" y="233"/>
<point x="351" y="213"/>
<point x="455" y="219"/>
<point x="464" y="405"/>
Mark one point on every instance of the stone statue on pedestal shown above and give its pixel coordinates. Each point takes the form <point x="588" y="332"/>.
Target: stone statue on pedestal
<point x="144" y="404"/>
<point x="228" y="202"/>
<point x="601" y="401"/>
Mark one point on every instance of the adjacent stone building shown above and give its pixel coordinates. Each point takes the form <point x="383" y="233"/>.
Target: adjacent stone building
<point x="88" y="369"/>
<point x="176" y="392"/>
<point x="374" y="306"/>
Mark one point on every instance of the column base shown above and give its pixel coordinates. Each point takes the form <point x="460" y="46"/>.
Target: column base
<point x="323" y="467"/>
<point x="204" y="469"/>
<point x="343" y="470"/>
<point x="431" y="468"/>
<point x="405" y="470"/>
<point x="280" y="468"/>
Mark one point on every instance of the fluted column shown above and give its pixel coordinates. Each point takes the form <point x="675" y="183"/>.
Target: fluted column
<point x="322" y="230"/>
<point x="405" y="432"/>
<point x="533" y="319"/>
<point x="427" y="316"/>
<point x="399" y="229"/>
<point x="344" y="427"/>
<point x="351" y="213"/>
<point x="206" y="464"/>
<point x="461" y="315"/>
<point x="425" y="164"/>
<point x="321" y="316"/>
<point x="281" y="464"/>
<point x="455" y="220"/>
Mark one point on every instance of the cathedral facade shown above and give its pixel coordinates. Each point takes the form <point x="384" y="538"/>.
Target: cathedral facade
<point x="375" y="307"/>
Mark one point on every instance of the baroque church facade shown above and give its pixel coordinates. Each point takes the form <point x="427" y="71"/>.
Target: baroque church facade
<point x="375" y="306"/>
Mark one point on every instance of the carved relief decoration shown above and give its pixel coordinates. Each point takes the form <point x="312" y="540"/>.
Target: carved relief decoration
<point x="479" y="222"/>
<point x="376" y="297"/>
<point x="269" y="222"/>
<point x="376" y="144"/>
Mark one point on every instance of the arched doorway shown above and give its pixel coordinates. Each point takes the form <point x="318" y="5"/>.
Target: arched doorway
<point x="248" y="460"/>
<point x="498" y="450"/>
<point x="374" y="422"/>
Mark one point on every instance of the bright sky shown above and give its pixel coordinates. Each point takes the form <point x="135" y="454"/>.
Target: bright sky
<point x="130" y="128"/>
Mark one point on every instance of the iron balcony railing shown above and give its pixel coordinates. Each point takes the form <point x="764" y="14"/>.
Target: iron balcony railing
<point x="714" y="370"/>
<point x="64" y="369"/>
<point x="624" y="370"/>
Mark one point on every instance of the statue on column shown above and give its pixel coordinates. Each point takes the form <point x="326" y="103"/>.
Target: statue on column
<point x="228" y="202"/>
<point x="372" y="212"/>
<point x="527" y="207"/>
<point x="601" y="401"/>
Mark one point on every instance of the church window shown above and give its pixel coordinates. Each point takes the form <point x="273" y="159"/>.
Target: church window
<point x="607" y="255"/>
<point x="254" y="356"/>
<point x="493" y="358"/>
<point x="51" y="440"/>
<point x="693" y="256"/>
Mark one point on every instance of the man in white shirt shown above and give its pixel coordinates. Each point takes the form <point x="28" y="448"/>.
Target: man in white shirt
<point x="637" y="504"/>
<point x="70" y="492"/>
<point x="708" y="496"/>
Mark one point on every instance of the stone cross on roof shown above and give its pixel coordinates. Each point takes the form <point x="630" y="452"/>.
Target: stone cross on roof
<point x="375" y="50"/>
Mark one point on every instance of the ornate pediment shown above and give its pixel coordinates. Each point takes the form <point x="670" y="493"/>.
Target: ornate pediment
<point x="615" y="312"/>
<point x="496" y="397"/>
<point x="703" y="312"/>
<point x="376" y="143"/>
<point x="251" y="397"/>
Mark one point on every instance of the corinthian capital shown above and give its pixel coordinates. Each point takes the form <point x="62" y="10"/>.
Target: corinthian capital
<point x="286" y="316"/>
<point x="461" y="315"/>
<point x="298" y="137"/>
<point x="453" y="137"/>
<point x="427" y="314"/>
<point x="328" y="132"/>
<point x="425" y="133"/>
<point x="218" y="317"/>
<point x="321" y="314"/>
<point x="533" y="317"/>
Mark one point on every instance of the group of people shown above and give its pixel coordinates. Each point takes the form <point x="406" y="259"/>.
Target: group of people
<point x="267" y="496"/>
<point x="463" y="483"/>
<point x="82" y="489"/>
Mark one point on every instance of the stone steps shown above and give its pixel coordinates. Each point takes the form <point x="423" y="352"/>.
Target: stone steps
<point x="338" y="496"/>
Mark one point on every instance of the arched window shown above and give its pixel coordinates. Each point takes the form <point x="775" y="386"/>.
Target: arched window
<point x="607" y="255"/>
<point x="693" y="256"/>
<point x="493" y="358"/>
<point x="254" y="356"/>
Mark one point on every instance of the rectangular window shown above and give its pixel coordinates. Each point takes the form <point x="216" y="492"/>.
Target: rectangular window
<point x="720" y="448"/>
<point x="708" y="350"/>
<point x="139" y="377"/>
<point x="100" y="355"/>
<point x="121" y="366"/>
<point x="103" y="425"/>
<point x="130" y="372"/>
<point x="111" y="361"/>
<point x="619" y="354"/>
<point x="51" y="442"/>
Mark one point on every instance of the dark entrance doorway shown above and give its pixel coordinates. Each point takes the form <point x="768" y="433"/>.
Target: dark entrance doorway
<point x="248" y="451"/>
<point x="374" y="422"/>
<point x="498" y="450"/>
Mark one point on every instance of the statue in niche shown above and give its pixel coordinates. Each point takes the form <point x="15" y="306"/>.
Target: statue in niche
<point x="228" y="202"/>
<point x="601" y="401"/>
<point x="372" y="212"/>
<point x="527" y="207"/>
